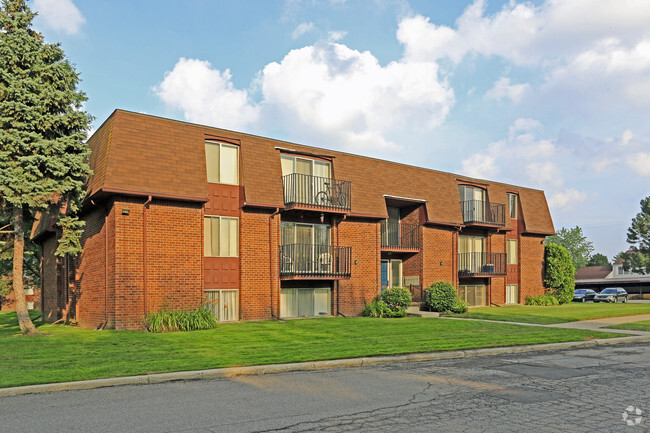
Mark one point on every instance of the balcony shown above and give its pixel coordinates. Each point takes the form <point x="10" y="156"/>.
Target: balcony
<point x="319" y="193"/>
<point x="481" y="264"/>
<point x="315" y="261"/>
<point x="479" y="212"/>
<point x="399" y="237"/>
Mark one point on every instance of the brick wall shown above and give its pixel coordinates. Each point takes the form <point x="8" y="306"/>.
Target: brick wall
<point x="532" y="257"/>
<point x="438" y="245"/>
<point x="259" y="240"/>
<point x="363" y="286"/>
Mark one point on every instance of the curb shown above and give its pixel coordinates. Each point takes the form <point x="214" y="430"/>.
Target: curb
<point x="310" y="366"/>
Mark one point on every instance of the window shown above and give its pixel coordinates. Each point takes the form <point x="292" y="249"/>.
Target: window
<point x="221" y="236"/>
<point x="474" y="296"/>
<point x="471" y="244"/>
<point x="512" y="205"/>
<point x="512" y="294"/>
<point x="472" y="203"/>
<point x="222" y="163"/>
<point x="307" y="302"/>
<point x="312" y="167"/>
<point x="224" y="304"/>
<point x="511" y="251"/>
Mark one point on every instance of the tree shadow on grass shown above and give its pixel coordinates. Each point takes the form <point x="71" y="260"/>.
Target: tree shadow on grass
<point x="9" y="322"/>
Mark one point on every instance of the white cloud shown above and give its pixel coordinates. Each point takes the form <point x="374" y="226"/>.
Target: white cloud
<point x="206" y="95"/>
<point x="566" y="200"/>
<point x="626" y="137"/>
<point x="504" y="90"/>
<point x="480" y="166"/>
<point x="347" y="96"/>
<point x="302" y="29"/>
<point x="640" y="163"/>
<point x="334" y="36"/>
<point x="59" y="15"/>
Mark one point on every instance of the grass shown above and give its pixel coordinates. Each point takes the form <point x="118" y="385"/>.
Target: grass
<point x="68" y="353"/>
<point x="643" y="325"/>
<point x="571" y="312"/>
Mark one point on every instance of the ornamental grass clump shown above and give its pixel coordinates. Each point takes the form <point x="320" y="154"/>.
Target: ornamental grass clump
<point x="179" y="320"/>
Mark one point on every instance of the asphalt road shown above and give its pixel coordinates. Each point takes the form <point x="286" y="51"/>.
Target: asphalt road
<point x="582" y="390"/>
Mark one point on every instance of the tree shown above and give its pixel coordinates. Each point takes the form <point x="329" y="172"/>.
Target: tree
<point x="31" y="264"/>
<point x="575" y="242"/>
<point x="43" y="155"/>
<point x="598" y="260"/>
<point x="638" y="236"/>
<point x="559" y="272"/>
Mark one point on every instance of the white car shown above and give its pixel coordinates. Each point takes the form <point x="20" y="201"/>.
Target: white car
<point x="611" y="294"/>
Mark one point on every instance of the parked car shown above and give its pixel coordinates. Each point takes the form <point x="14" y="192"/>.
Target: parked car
<point x="583" y="295"/>
<point x="611" y="294"/>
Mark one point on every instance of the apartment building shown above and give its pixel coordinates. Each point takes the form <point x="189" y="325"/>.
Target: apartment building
<point x="179" y="214"/>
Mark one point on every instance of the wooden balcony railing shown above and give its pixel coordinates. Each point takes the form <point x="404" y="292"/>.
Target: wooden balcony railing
<point x="305" y="260"/>
<point x="399" y="235"/>
<point x="483" y="212"/>
<point x="481" y="264"/>
<point x="313" y="191"/>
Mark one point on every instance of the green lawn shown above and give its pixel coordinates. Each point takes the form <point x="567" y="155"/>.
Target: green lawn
<point x="68" y="353"/>
<point x="643" y="325"/>
<point x="571" y="312"/>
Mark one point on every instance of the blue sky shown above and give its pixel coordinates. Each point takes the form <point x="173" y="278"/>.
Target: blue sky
<point x="553" y="94"/>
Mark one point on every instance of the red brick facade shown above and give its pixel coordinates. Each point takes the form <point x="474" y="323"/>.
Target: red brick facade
<point x="144" y="239"/>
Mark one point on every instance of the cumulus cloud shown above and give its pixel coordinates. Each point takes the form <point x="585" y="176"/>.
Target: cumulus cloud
<point x="335" y="36"/>
<point x="206" y="95"/>
<point x="480" y="166"/>
<point x="504" y="90"/>
<point x="347" y="95"/>
<point x="566" y="199"/>
<point x="640" y="163"/>
<point x="59" y="15"/>
<point x="302" y="29"/>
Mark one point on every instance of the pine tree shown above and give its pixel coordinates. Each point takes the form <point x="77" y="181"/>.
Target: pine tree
<point x="638" y="236"/>
<point x="43" y="155"/>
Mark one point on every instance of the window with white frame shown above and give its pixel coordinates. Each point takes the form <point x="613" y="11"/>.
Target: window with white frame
<point x="224" y="304"/>
<point x="511" y="251"/>
<point x="512" y="294"/>
<point x="221" y="236"/>
<point x="512" y="205"/>
<point x="222" y="163"/>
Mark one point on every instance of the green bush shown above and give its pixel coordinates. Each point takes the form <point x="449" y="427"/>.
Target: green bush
<point x="542" y="300"/>
<point x="441" y="296"/>
<point x="559" y="273"/>
<point x="179" y="320"/>
<point x="379" y="308"/>
<point x="397" y="298"/>
<point x="459" y="306"/>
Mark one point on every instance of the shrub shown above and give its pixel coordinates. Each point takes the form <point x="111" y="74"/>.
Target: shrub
<point x="559" y="272"/>
<point x="441" y="296"/>
<point x="376" y="308"/>
<point x="542" y="300"/>
<point x="397" y="298"/>
<point x="459" y="306"/>
<point x="179" y="320"/>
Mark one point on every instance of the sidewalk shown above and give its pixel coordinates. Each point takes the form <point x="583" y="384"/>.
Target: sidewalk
<point x="598" y="324"/>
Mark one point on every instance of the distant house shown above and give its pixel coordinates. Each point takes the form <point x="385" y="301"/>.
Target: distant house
<point x="600" y="277"/>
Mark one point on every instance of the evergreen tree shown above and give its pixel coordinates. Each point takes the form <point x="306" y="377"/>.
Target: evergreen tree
<point x="598" y="259"/>
<point x="43" y="157"/>
<point x="576" y="242"/>
<point x="638" y="236"/>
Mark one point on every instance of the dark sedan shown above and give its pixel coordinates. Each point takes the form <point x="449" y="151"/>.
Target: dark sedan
<point x="611" y="294"/>
<point x="583" y="295"/>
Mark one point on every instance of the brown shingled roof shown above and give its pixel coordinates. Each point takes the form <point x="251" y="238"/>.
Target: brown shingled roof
<point x="593" y="272"/>
<point x="151" y="155"/>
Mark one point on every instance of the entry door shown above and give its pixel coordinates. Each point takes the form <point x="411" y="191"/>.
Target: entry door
<point x="304" y="253"/>
<point x="384" y="275"/>
<point x="304" y="187"/>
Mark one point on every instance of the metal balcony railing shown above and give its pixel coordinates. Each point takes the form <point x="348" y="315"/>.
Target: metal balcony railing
<point x="315" y="260"/>
<point x="481" y="264"/>
<point x="483" y="212"/>
<point x="398" y="235"/>
<point x="322" y="192"/>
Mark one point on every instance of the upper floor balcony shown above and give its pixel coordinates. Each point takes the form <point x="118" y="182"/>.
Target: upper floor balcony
<point x="480" y="212"/>
<point x="400" y="237"/>
<point x="315" y="261"/>
<point x="314" y="192"/>
<point x="481" y="264"/>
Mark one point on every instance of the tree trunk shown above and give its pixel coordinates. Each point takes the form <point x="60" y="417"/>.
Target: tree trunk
<point x="26" y="325"/>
